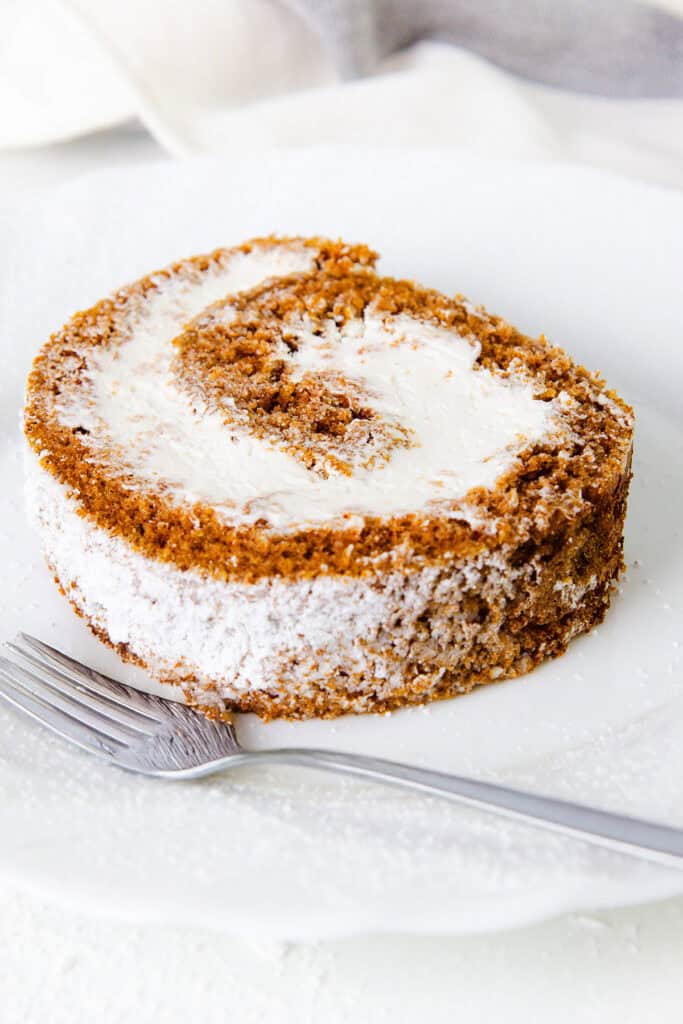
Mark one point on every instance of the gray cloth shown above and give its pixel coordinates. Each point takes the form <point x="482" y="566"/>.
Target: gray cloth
<point x="614" y="48"/>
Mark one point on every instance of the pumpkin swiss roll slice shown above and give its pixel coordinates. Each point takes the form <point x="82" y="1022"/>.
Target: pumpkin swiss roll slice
<point x="289" y="485"/>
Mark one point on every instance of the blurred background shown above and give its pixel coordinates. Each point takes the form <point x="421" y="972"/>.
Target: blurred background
<point x="91" y="82"/>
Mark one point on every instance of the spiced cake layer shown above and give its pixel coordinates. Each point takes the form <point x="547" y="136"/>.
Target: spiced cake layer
<point x="292" y="486"/>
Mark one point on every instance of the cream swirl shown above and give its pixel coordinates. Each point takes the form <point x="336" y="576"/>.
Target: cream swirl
<point x="300" y="394"/>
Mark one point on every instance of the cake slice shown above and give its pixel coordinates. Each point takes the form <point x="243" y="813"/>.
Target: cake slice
<point x="295" y="487"/>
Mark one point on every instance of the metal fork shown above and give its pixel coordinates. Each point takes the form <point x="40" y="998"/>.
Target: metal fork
<point x="147" y="734"/>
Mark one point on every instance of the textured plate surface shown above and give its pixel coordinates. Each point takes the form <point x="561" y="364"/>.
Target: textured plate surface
<point x="595" y="264"/>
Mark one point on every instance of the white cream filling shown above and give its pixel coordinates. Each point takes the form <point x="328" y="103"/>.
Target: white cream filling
<point x="468" y="425"/>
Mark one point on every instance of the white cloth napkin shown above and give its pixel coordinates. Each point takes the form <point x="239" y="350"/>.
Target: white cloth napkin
<point x="222" y="75"/>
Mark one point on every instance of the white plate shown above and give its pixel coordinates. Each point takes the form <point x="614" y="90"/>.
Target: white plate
<point x="596" y="264"/>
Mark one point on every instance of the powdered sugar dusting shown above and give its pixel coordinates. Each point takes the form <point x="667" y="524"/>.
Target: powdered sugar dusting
<point x="239" y="637"/>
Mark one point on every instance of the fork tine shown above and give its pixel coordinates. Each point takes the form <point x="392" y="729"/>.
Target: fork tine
<point x="144" y="703"/>
<point x="71" y="685"/>
<point x="41" y="687"/>
<point x="53" y="718"/>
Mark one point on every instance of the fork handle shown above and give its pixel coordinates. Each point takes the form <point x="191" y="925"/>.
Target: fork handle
<point x="644" y="839"/>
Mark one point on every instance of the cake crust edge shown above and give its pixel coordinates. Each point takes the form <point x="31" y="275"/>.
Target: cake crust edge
<point x="531" y="633"/>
